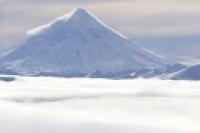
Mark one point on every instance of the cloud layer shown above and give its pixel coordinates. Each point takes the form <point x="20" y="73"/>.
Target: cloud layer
<point x="38" y="105"/>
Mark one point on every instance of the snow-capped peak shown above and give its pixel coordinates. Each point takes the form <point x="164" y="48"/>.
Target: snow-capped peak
<point x="78" y="14"/>
<point x="78" y="18"/>
<point x="74" y="15"/>
<point x="77" y="44"/>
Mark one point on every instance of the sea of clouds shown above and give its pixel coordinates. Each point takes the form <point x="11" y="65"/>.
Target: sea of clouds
<point x="84" y="105"/>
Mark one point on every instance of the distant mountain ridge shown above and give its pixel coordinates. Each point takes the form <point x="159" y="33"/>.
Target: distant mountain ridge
<point x="189" y="73"/>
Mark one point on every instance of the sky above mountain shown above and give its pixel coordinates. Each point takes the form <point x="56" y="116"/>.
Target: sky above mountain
<point x="146" y="21"/>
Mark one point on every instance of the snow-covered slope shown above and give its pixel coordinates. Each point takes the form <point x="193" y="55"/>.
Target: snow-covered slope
<point x="190" y="73"/>
<point x="77" y="44"/>
<point x="171" y="68"/>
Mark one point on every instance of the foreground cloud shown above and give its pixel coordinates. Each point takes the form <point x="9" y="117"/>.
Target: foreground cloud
<point x="98" y="105"/>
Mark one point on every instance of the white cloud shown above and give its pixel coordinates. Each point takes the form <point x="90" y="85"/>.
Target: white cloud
<point x="30" y="105"/>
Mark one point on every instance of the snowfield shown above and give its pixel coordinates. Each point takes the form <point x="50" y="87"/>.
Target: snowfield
<point x="83" y="105"/>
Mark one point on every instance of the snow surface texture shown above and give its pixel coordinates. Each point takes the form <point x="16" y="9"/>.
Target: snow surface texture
<point x="59" y="105"/>
<point x="77" y="44"/>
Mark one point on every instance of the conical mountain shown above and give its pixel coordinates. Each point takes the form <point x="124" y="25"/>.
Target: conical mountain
<point x="76" y="44"/>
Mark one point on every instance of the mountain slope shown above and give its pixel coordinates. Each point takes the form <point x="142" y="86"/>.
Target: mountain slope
<point x="77" y="44"/>
<point x="190" y="73"/>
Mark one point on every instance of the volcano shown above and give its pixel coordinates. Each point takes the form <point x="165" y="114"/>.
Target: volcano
<point x="77" y="44"/>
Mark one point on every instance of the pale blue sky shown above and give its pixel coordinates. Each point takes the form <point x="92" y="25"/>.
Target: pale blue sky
<point x="135" y="18"/>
